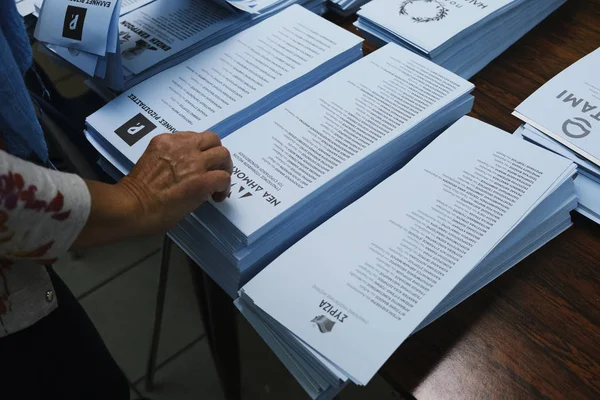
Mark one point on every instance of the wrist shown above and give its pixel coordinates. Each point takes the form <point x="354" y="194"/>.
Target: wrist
<point x="133" y="202"/>
<point x="114" y="215"/>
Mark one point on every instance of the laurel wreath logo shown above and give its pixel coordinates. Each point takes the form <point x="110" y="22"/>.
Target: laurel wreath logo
<point x="442" y="11"/>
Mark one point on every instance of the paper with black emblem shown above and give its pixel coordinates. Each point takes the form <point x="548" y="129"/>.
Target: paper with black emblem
<point x="82" y="25"/>
<point x="226" y="79"/>
<point x="567" y="108"/>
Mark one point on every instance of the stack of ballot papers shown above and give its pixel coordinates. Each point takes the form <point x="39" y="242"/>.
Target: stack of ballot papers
<point x="463" y="36"/>
<point x="563" y="116"/>
<point x="310" y="157"/>
<point x="78" y="27"/>
<point x="476" y="201"/>
<point x="87" y="34"/>
<point x="346" y="8"/>
<point x="145" y="37"/>
<point x="224" y="87"/>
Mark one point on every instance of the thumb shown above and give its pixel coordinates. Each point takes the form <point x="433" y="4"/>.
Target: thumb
<point x="217" y="184"/>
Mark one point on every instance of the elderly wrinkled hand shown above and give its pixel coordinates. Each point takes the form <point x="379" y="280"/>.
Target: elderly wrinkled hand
<point x="176" y="174"/>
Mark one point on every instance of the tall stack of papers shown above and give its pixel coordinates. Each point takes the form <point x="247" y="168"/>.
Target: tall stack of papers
<point x="337" y="304"/>
<point x="462" y="36"/>
<point x="563" y="116"/>
<point x="151" y="36"/>
<point x="305" y="160"/>
<point x="226" y="86"/>
<point x="346" y="7"/>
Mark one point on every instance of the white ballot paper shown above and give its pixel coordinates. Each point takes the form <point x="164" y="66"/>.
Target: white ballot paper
<point x="378" y="268"/>
<point x="214" y="85"/>
<point x="427" y="24"/>
<point x="567" y="108"/>
<point x="286" y="155"/>
<point x="78" y="24"/>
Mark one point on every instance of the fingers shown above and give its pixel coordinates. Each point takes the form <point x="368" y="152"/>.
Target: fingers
<point x="203" y="140"/>
<point x="197" y="156"/>
<point x="221" y="196"/>
<point x="208" y="140"/>
<point x="218" y="182"/>
<point x="217" y="158"/>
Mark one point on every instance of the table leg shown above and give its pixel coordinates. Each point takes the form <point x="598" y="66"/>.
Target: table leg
<point x="219" y="316"/>
<point x="158" y="312"/>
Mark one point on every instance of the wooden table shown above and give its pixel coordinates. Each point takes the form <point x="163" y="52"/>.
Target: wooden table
<point x="535" y="331"/>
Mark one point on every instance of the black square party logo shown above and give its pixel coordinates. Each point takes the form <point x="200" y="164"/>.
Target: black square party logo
<point x="74" y="19"/>
<point x="135" y="129"/>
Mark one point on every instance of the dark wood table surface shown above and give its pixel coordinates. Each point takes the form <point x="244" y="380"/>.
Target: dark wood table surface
<point x="535" y="331"/>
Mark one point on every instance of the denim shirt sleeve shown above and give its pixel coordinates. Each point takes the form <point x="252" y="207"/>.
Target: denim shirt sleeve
<point x="20" y="130"/>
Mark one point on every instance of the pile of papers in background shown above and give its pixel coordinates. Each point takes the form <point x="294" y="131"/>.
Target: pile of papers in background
<point x="87" y="32"/>
<point x="146" y="37"/>
<point x="224" y="87"/>
<point x="26" y="7"/>
<point x="337" y="304"/>
<point x="563" y="116"/>
<point x="305" y="160"/>
<point x="463" y="36"/>
<point x="346" y="8"/>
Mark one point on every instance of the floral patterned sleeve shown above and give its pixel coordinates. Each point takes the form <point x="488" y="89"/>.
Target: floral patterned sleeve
<point x="41" y="211"/>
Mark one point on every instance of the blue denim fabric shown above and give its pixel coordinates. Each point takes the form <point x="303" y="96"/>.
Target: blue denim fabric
<point x="19" y="128"/>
